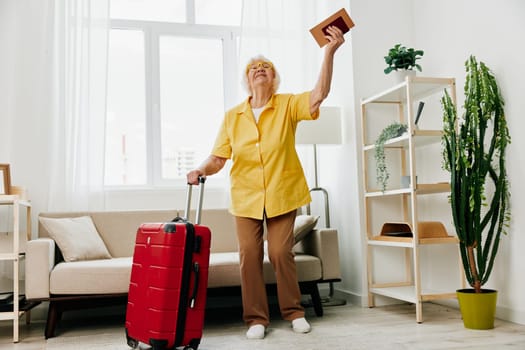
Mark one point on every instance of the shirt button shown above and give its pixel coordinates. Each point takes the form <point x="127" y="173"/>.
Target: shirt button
<point x="257" y="144"/>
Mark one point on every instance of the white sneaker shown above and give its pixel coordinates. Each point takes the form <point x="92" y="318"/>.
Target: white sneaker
<point x="256" y="332"/>
<point x="300" y="325"/>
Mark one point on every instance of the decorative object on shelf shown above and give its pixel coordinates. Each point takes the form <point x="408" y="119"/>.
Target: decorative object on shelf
<point x="419" y="111"/>
<point x="402" y="61"/>
<point x="396" y="229"/>
<point x="5" y="179"/>
<point x="399" y="58"/>
<point x="19" y="191"/>
<point x="475" y="157"/>
<point x="395" y="129"/>
<point x="426" y="229"/>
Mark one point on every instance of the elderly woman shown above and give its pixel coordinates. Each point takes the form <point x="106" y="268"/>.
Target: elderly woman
<point x="268" y="183"/>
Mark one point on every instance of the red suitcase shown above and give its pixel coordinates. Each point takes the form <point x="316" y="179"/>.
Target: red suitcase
<point x="169" y="279"/>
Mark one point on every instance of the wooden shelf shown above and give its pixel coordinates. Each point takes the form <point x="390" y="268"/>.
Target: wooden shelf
<point x="402" y="203"/>
<point x="9" y="199"/>
<point x="420" y="87"/>
<point x="15" y="255"/>
<point x="409" y="241"/>
<point x="421" y="138"/>
<point x="421" y="189"/>
<point x="408" y="293"/>
<point x="10" y="256"/>
<point x="440" y="187"/>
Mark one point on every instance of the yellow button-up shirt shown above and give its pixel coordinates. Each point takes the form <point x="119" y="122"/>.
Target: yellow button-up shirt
<point x="266" y="174"/>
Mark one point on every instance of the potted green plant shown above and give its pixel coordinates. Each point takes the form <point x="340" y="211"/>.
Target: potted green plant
<point x="393" y="130"/>
<point x="474" y="154"/>
<point x="403" y="60"/>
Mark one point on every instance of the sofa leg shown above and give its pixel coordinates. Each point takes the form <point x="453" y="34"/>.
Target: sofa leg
<point x="316" y="300"/>
<point x="54" y="313"/>
<point x="312" y="289"/>
<point x="59" y="305"/>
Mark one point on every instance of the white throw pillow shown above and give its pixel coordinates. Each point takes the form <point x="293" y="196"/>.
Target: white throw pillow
<point x="304" y="224"/>
<point x="77" y="238"/>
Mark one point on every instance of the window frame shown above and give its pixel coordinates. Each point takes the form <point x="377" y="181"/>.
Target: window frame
<point x="152" y="31"/>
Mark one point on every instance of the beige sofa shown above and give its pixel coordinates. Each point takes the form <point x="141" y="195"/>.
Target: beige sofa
<point x="99" y="282"/>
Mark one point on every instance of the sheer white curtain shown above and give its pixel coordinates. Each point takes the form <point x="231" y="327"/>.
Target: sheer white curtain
<point x="279" y="30"/>
<point x="81" y="30"/>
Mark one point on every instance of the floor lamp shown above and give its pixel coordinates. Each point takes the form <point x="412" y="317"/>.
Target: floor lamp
<point x="327" y="130"/>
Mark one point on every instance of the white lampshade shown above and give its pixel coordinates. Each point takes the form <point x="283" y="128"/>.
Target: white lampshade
<point x="326" y="130"/>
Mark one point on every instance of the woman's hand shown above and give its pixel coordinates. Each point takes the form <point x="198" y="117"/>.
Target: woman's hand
<point x="335" y="39"/>
<point x="193" y="176"/>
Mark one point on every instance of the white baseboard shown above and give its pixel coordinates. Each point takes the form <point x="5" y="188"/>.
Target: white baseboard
<point x="502" y="312"/>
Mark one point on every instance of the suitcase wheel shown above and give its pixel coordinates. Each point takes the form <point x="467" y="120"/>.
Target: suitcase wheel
<point x="132" y="343"/>
<point x="193" y="345"/>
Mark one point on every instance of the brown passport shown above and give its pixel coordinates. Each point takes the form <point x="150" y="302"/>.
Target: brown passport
<point x="340" y="19"/>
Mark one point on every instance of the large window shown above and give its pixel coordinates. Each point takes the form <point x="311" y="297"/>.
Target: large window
<point x="172" y="73"/>
<point x="126" y="109"/>
<point x="191" y="98"/>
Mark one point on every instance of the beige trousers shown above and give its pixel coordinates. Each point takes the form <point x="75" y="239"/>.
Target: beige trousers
<point x="280" y="243"/>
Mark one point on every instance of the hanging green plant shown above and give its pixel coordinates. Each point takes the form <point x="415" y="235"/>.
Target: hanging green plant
<point x="393" y="130"/>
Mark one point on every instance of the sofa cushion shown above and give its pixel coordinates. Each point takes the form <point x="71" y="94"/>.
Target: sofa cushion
<point x="304" y="224"/>
<point x="91" y="277"/>
<point x="76" y="237"/>
<point x="224" y="269"/>
<point x="308" y="267"/>
<point x="118" y="229"/>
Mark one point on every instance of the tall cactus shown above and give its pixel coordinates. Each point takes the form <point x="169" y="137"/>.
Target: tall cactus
<point x="474" y="154"/>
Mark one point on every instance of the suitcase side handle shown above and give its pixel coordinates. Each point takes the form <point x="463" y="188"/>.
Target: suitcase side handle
<point x="193" y="296"/>
<point x="202" y="180"/>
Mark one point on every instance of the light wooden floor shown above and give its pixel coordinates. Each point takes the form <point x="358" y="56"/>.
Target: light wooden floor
<point x="342" y="327"/>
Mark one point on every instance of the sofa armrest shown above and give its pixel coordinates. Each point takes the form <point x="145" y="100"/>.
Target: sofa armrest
<point x="324" y="244"/>
<point x="40" y="260"/>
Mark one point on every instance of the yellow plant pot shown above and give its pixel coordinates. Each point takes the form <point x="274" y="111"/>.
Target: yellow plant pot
<point x="478" y="309"/>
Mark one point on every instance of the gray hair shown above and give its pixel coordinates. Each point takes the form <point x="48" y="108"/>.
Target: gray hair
<point x="259" y="58"/>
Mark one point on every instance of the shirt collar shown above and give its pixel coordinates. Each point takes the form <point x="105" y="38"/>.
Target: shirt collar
<point x="246" y="106"/>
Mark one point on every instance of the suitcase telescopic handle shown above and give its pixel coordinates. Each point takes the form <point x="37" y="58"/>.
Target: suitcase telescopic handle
<point x="202" y="180"/>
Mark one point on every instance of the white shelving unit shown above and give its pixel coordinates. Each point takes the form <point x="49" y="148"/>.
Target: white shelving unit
<point x="15" y="255"/>
<point x="398" y="102"/>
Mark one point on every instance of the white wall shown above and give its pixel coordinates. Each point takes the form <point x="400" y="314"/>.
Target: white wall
<point x="24" y="95"/>
<point x="6" y="61"/>
<point x="493" y="31"/>
<point x="369" y="43"/>
<point x="449" y="31"/>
